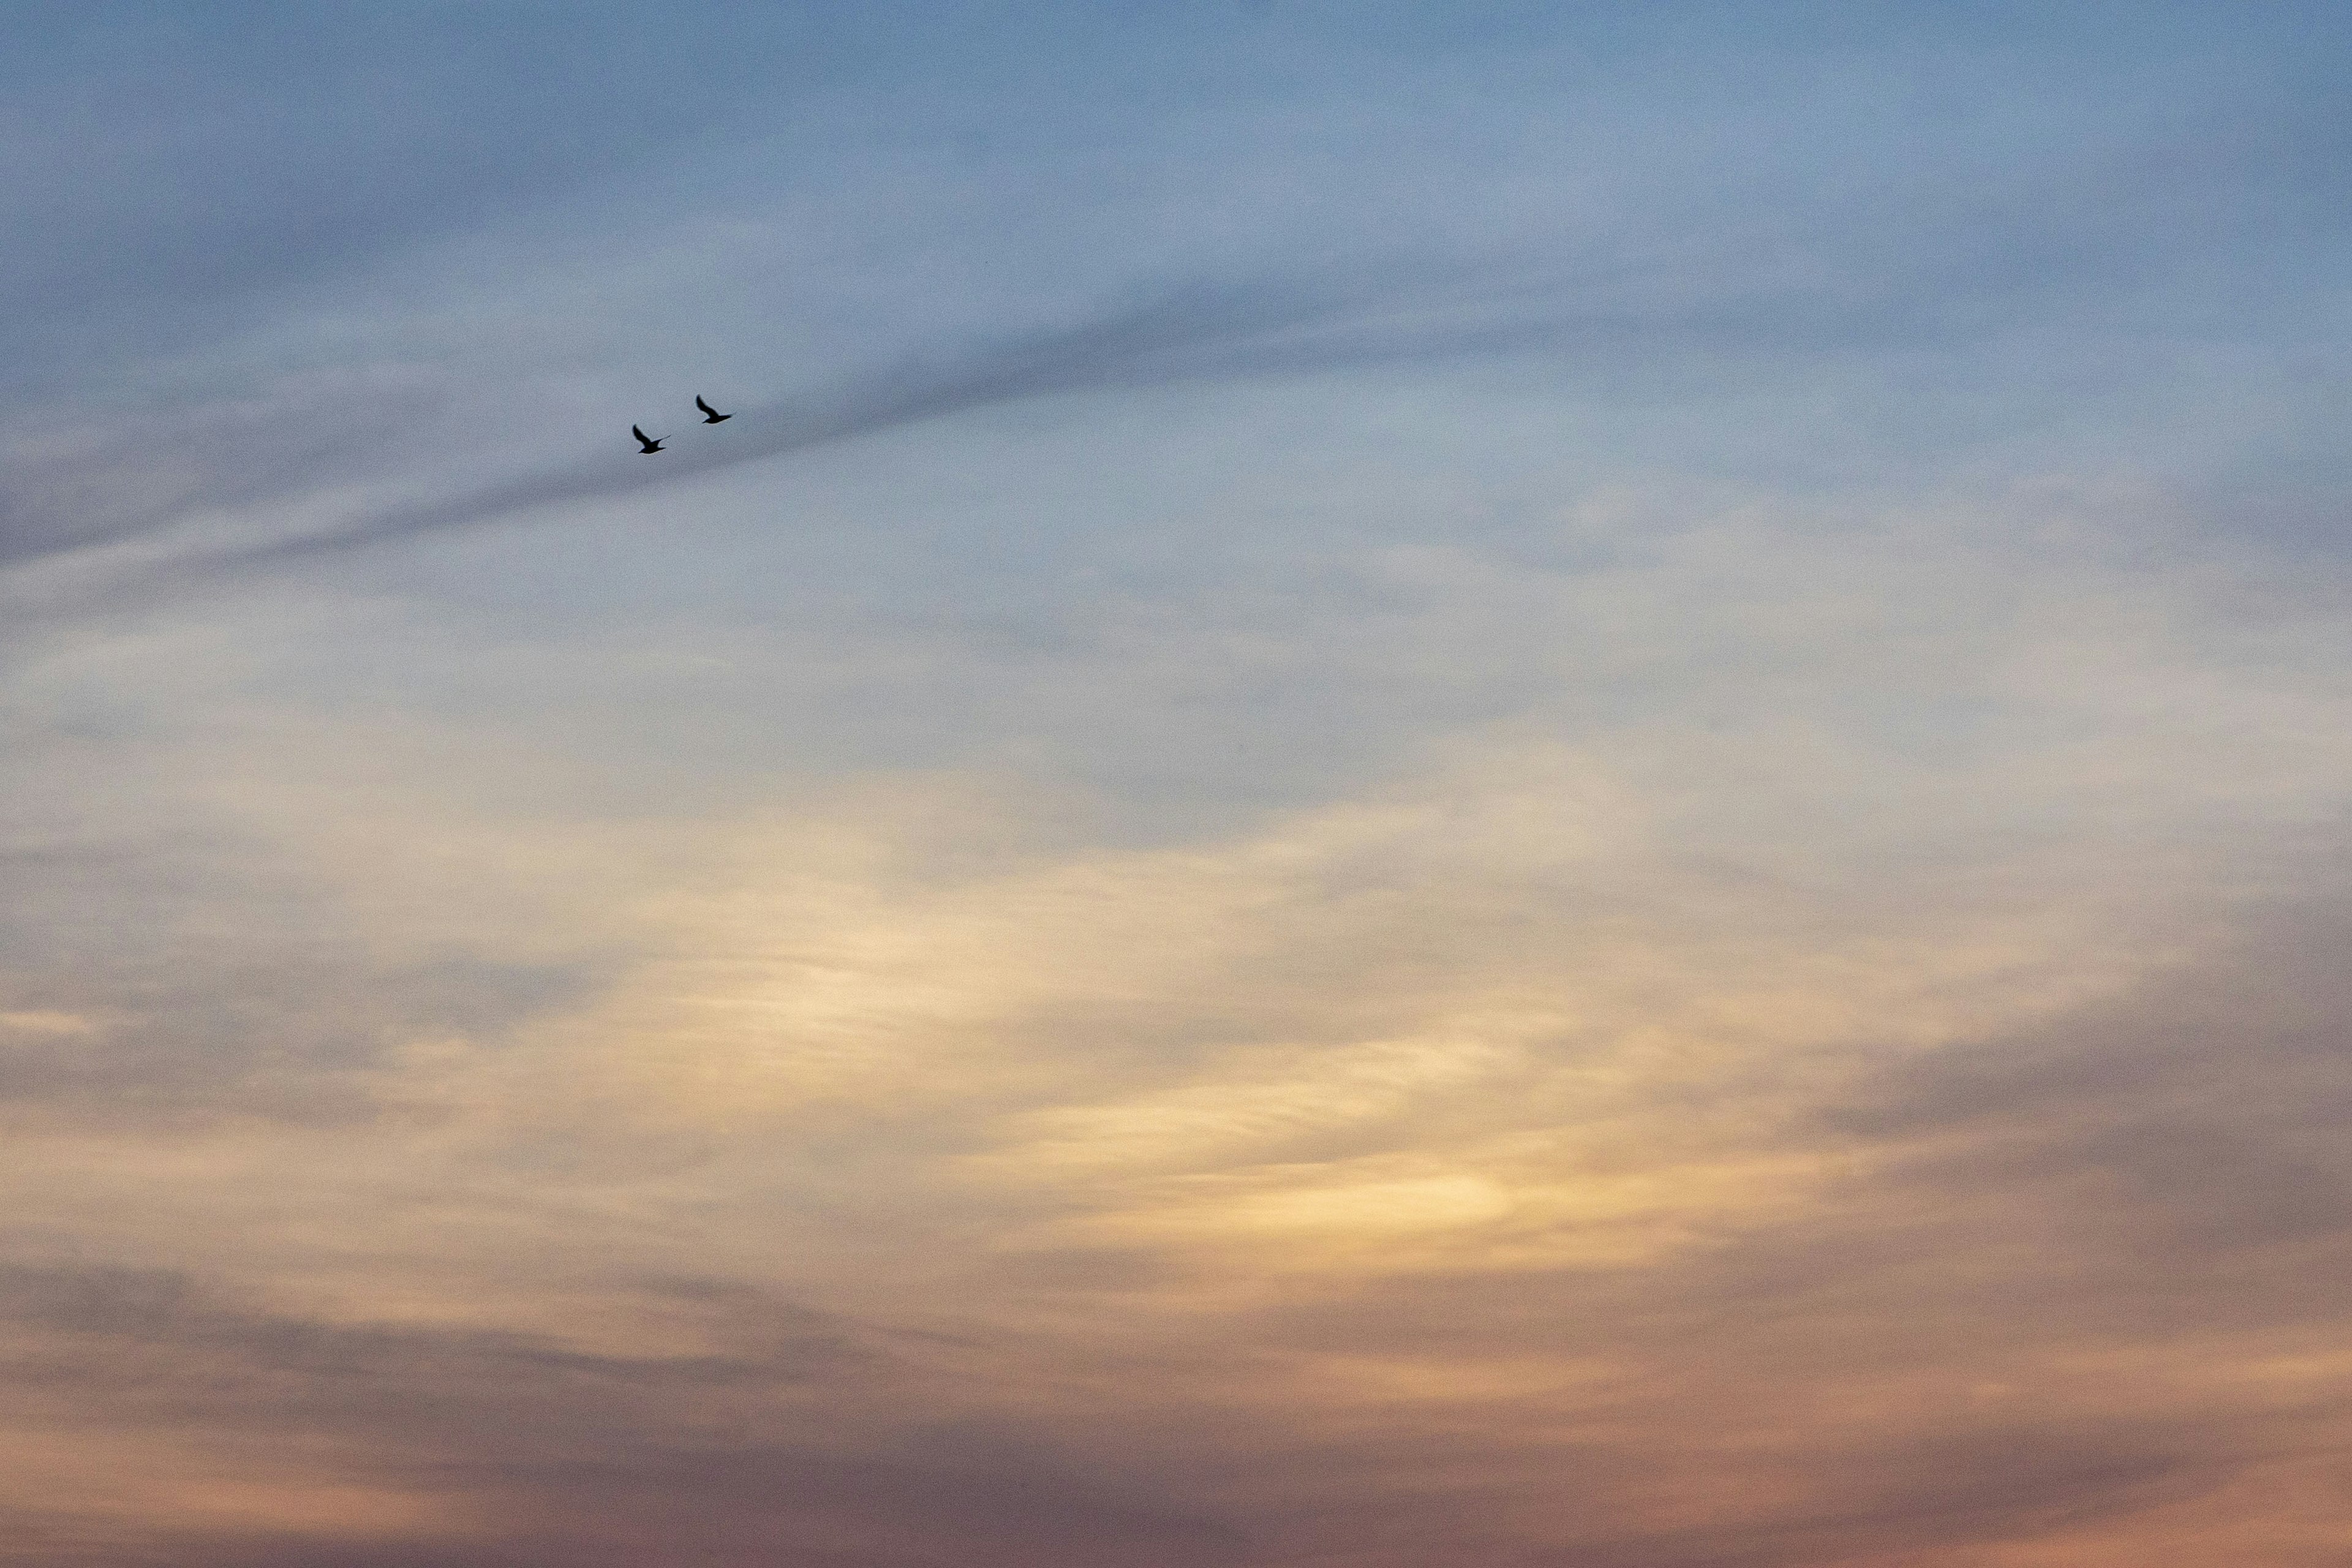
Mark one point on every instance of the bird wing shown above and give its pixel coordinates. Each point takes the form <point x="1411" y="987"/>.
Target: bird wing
<point x="637" y="433"/>
<point x="704" y="406"/>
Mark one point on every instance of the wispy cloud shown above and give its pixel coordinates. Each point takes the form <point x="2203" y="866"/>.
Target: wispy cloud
<point x="1618" y="851"/>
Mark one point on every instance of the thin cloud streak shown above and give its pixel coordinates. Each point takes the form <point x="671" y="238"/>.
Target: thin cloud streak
<point x="1196" y="334"/>
<point x="1193" y="334"/>
<point x="1713" y="940"/>
<point x="1187" y="334"/>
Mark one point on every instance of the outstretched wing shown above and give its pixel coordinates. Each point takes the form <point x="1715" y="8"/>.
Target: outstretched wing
<point x="637" y="433"/>
<point x="704" y="406"/>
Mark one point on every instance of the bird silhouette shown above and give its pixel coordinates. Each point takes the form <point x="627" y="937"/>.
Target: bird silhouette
<point x="711" y="415"/>
<point x="646" y="441"/>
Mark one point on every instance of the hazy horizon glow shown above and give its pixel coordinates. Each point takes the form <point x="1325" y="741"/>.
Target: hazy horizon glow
<point x="1421" y="786"/>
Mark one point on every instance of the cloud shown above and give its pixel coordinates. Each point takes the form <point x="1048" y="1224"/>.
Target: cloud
<point x="1714" y="940"/>
<point x="191" y="177"/>
<point x="1483" y="1164"/>
<point x="1977" y="271"/>
<point x="162" y="470"/>
<point x="449" y="1438"/>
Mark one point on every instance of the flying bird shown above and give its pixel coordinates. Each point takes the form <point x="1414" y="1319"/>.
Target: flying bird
<point x="646" y="441"/>
<point x="710" y="415"/>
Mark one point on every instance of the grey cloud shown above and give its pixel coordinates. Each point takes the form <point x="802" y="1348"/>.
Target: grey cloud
<point x="2070" y="253"/>
<point x="1187" y="333"/>
<point x="1988" y="1488"/>
<point x="2018" y="1315"/>
<point x="156" y="468"/>
<point x="588" y="1457"/>
<point x="286" y="1031"/>
<point x="2197" y="1121"/>
<point x="2040" y="1295"/>
<point x="166" y="1322"/>
<point x="178" y="176"/>
<point x="1190" y="334"/>
<point x="2253" y="1032"/>
<point x="1195" y="333"/>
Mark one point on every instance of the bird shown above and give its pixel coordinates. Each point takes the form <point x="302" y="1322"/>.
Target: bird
<point x="710" y="415"/>
<point x="646" y="441"/>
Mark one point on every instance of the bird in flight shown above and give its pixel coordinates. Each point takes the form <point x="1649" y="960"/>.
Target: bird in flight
<point x="649" y="445"/>
<point x="710" y="415"/>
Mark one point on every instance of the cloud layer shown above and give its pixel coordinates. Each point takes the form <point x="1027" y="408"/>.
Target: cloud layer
<point x="1627" y="848"/>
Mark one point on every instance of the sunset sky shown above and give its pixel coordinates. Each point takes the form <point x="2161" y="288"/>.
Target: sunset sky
<point x="1560" y="786"/>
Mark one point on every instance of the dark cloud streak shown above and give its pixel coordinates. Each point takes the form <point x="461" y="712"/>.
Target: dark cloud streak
<point x="1195" y="333"/>
<point x="1185" y="335"/>
<point x="588" y="1455"/>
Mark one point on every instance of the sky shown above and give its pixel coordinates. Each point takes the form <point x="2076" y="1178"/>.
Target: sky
<point x="1560" y="786"/>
